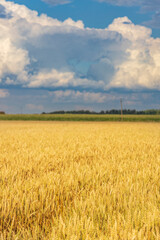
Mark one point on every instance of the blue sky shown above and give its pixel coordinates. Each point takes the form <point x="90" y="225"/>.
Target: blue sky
<point x="79" y="54"/>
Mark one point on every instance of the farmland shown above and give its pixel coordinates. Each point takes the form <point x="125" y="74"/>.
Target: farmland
<point x="79" y="117"/>
<point x="79" y="180"/>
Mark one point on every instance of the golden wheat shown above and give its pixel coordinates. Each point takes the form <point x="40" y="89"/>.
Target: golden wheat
<point x="79" y="181"/>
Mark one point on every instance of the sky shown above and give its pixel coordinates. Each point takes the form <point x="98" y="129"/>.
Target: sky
<point x="79" y="54"/>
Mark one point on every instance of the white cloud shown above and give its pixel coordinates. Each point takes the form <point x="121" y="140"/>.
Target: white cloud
<point x="128" y="30"/>
<point x="14" y="58"/>
<point x="142" y="66"/>
<point x="56" y="78"/>
<point x="39" y="51"/>
<point x="4" y="93"/>
<point x="77" y="96"/>
<point x="53" y="78"/>
<point x="86" y="97"/>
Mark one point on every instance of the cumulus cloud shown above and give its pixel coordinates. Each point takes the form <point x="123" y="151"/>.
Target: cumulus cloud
<point x="56" y="2"/>
<point x="56" y="78"/>
<point x="142" y="66"/>
<point x="39" y="51"/>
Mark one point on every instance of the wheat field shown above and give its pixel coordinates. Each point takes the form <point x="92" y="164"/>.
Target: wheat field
<point x="79" y="181"/>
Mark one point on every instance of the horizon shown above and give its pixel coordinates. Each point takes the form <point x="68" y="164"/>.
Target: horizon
<point x="87" y="111"/>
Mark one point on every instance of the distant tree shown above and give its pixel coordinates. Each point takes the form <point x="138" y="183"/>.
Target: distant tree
<point x="112" y="111"/>
<point x="102" y="112"/>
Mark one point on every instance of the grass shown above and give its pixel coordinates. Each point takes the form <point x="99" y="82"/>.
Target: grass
<point x="79" y="117"/>
<point x="79" y="181"/>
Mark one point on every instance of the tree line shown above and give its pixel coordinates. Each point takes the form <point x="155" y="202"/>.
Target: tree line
<point x="112" y="111"/>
